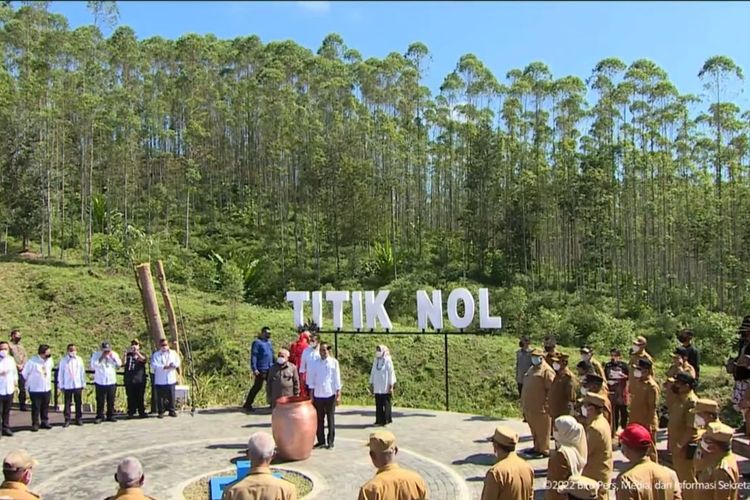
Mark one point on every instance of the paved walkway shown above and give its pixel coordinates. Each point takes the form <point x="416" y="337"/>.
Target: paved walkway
<point x="448" y="449"/>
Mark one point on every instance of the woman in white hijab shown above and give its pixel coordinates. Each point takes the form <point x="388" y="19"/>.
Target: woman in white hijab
<point x="382" y="379"/>
<point x="570" y="456"/>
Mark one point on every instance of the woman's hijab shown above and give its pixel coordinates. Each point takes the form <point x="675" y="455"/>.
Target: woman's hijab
<point x="570" y="437"/>
<point x="380" y="360"/>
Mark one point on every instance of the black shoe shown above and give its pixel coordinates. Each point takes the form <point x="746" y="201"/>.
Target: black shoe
<point x="111" y="419"/>
<point x="7" y="432"/>
<point x="98" y="420"/>
<point x="172" y="414"/>
<point x="22" y="408"/>
<point x="143" y="415"/>
<point x="160" y="415"/>
<point x="45" y="425"/>
<point x="67" y="423"/>
<point x="79" y="421"/>
<point x="131" y="415"/>
<point x="35" y="428"/>
<point x="330" y="446"/>
<point x="320" y="445"/>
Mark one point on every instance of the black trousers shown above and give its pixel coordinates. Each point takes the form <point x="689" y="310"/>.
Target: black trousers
<point x="105" y="393"/>
<point x="39" y="407"/>
<point x="21" y="392"/>
<point x="164" y="398"/>
<point x="255" y="389"/>
<point x="620" y="417"/>
<point x="520" y="388"/>
<point x="326" y="408"/>
<point x="383" y="409"/>
<point x="69" y="395"/>
<point x="5" y="403"/>
<point x="136" y="394"/>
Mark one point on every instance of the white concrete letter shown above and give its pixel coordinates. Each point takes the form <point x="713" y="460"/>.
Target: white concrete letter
<point x="375" y="309"/>
<point x="430" y="310"/>
<point x="456" y="320"/>
<point x="298" y="300"/>
<point x="486" y="321"/>
<point x="357" y="310"/>
<point x="317" y="308"/>
<point x="337" y="299"/>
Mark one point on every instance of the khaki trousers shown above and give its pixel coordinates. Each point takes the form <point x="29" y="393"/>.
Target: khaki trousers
<point x="540" y="425"/>
<point x="685" y="472"/>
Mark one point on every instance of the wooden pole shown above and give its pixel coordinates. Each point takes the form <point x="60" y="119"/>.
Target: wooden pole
<point x="149" y="302"/>
<point x="143" y="303"/>
<point x="171" y="316"/>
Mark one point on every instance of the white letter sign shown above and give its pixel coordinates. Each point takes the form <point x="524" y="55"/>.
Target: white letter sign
<point x="456" y="320"/>
<point x="298" y="300"/>
<point x="337" y="299"/>
<point x="430" y="310"/>
<point x="486" y="321"/>
<point x="375" y="309"/>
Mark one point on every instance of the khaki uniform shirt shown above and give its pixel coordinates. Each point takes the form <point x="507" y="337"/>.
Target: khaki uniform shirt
<point x="644" y="398"/>
<point x="548" y="356"/>
<point x="639" y="355"/>
<point x="599" y="461"/>
<point x="19" y="353"/>
<point x="718" y="479"/>
<point x="670" y="397"/>
<point x="536" y="386"/>
<point x="562" y="393"/>
<point x="558" y="471"/>
<point x="16" y="490"/>
<point x="130" y="494"/>
<point x="283" y="380"/>
<point x="598" y="368"/>
<point x="394" y="483"/>
<point x="639" y="481"/>
<point x="261" y="485"/>
<point x="681" y="427"/>
<point x="509" y="479"/>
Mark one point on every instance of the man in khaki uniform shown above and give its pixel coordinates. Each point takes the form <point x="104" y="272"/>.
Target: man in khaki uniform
<point x="587" y="354"/>
<point x="390" y="482"/>
<point x="510" y="478"/>
<point x="643" y="479"/>
<point x="259" y="483"/>
<point x="638" y="351"/>
<point x="562" y="394"/>
<point x="679" y="365"/>
<point x="535" y="403"/>
<point x="283" y="379"/>
<point x="130" y="478"/>
<point x="17" y="467"/>
<point x="599" y="440"/>
<point x="550" y="348"/>
<point x="719" y="472"/>
<point x="706" y="411"/>
<point x="683" y="435"/>
<point x="644" y="397"/>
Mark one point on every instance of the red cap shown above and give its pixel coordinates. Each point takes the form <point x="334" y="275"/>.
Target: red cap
<point x="635" y="436"/>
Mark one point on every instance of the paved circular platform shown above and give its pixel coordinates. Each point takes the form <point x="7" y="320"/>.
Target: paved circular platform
<point x="448" y="449"/>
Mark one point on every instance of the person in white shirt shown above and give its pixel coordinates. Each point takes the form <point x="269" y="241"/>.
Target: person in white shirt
<point x="164" y="364"/>
<point x="382" y="379"/>
<point x="71" y="379"/>
<point x="309" y="356"/>
<point x="38" y="375"/>
<point x="324" y="380"/>
<point x="105" y="364"/>
<point x="8" y="383"/>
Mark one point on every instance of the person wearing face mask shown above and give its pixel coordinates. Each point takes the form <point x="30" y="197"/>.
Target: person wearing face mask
<point x="569" y="457"/>
<point x="71" y="379"/>
<point x="105" y="364"/>
<point x="718" y="471"/>
<point x="135" y="379"/>
<point x="685" y="338"/>
<point x="17" y="471"/>
<point x="683" y="434"/>
<point x="562" y="394"/>
<point x="523" y="361"/>
<point x="8" y="383"/>
<point x="535" y="403"/>
<point x="510" y="478"/>
<point x="261" y="360"/>
<point x="390" y="481"/>
<point x="550" y="348"/>
<point x="164" y="364"/>
<point x="594" y="384"/>
<point x="616" y="372"/>
<point x="309" y="356"/>
<point x="38" y="375"/>
<point x="599" y="441"/>
<point x="644" y="397"/>
<point x="638" y="351"/>
<point x="19" y="355"/>
<point x="382" y="380"/>
<point x="643" y="479"/>
<point x="283" y="380"/>
<point x="706" y="412"/>
<point x="325" y="389"/>
<point x="297" y="348"/>
<point x="587" y="354"/>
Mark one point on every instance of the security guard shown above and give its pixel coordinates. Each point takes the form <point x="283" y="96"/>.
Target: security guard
<point x="644" y="397"/>
<point x="587" y="354"/>
<point x="535" y="403"/>
<point x="683" y="435"/>
<point x="17" y="467"/>
<point x="390" y="481"/>
<point x="562" y="395"/>
<point x="510" y="478"/>
<point x="719" y="475"/>
<point x="599" y="440"/>
<point x="643" y="479"/>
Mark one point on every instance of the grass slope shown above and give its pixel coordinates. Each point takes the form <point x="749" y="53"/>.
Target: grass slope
<point x="56" y="304"/>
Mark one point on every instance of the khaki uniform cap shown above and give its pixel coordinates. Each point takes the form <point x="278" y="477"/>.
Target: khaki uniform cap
<point x="18" y="460"/>
<point x="504" y="436"/>
<point x="381" y="441"/>
<point x="640" y="340"/>
<point x="721" y="433"/>
<point x="537" y="352"/>
<point x="706" y="406"/>
<point x="593" y="398"/>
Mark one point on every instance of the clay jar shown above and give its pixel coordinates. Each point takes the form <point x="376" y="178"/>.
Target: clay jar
<point x="294" y="424"/>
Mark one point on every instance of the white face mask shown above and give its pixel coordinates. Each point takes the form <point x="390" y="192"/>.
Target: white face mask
<point x="379" y="354"/>
<point x="585" y="357"/>
<point x="584" y="411"/>
<point x="584" y="391"/>
<point x="72" y="354"/>
<point x="705" y="447"/>
<point x="636" y="348"/>
<point x="700" y="421"/>
<point x="637" y="373"/>
<point x="3" y="353"/>
<point x="281" y="361"/>
<point x="536" y="360"/>
<point x="165" y="348"/>
<point x="556" y="366"/>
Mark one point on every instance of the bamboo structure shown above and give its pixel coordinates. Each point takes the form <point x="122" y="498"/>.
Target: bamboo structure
<point x="148" y="293"/>
<point x="171" y="316"/>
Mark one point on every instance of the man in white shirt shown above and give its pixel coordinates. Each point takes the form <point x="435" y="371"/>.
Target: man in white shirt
<point x="164" y="364"/>
<point x="8" y="383"/>
<point x="71" y="379"/>
<point x="324" y="380"/>
<point x="309" y="356"/>
<point x="105" y="364"/>
<point x="37" y="372"/>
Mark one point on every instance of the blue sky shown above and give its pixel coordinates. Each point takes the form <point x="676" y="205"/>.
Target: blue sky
<point x="570" y="37"/>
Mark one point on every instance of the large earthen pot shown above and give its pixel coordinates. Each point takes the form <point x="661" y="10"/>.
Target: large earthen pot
<point x="294" y="423"/>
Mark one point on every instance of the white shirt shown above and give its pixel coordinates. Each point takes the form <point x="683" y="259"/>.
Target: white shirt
<point x="382" y="375"/>
<point x="324" y="377"/>
<point x="105" y="369"/>
<point x="71" y="373"/>
<point x="38" y="374"/>
<point x="309" y="355"/>
<point x="8" y="375"/>
<point x="159" y="362"/>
